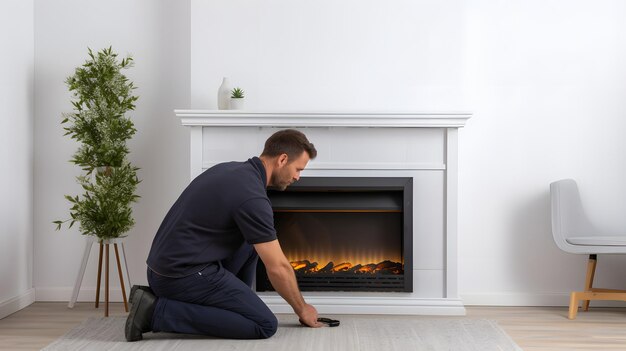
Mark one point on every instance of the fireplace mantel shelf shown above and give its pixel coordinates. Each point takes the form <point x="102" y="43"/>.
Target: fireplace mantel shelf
<point x="232" y="118"/>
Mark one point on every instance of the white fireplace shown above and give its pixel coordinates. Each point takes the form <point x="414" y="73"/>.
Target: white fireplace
<point x="362" y="144"/>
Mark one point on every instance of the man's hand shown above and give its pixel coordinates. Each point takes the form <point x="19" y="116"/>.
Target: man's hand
<point x="308" y="316"/>
<point x="283" y="279"/>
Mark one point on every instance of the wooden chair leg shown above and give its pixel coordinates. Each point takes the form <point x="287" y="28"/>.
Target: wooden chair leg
<point x="119" y="270"/>
<point x="592" y="293"/>
<point x="99" y="275"/>
<point x="573" y="306"/>
<point x="591" y="271"/>
<point x="106" y="283"/>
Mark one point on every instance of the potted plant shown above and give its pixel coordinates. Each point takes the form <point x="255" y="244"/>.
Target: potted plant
<point x="236" y="99"/>
<point x="102" y="96"/>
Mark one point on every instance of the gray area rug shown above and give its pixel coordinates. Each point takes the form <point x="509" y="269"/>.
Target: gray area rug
<point x="356" y="332"/>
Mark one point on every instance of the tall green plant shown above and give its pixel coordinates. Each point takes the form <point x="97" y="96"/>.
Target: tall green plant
<point x="102" y="96"/>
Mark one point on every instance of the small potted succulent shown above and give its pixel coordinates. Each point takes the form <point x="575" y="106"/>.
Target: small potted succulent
<point x="236" y="99"/>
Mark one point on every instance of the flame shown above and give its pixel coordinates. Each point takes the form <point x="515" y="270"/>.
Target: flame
<point x="386" y="267"/>
<point x="298" y="265"/>
<point x="369" y="268"/>
<point x="342" y="267"/>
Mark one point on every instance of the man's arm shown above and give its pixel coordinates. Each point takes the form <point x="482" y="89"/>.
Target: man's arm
<point x="283" y="279"/>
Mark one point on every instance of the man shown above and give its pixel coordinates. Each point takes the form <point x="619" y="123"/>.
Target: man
<point x="203" y="257"/>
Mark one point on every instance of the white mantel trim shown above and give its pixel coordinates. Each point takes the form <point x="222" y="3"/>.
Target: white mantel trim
<point x="231" y="118"/>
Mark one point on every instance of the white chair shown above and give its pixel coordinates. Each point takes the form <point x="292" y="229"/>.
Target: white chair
<point x="574" y="233"/>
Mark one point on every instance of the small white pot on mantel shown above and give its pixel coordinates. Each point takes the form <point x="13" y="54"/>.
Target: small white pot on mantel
<point x="236" y="103"/>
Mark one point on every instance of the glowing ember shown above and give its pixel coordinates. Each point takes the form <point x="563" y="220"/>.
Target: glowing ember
<point x="384" y="267"/>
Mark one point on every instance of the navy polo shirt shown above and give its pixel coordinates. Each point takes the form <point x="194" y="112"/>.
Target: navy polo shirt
<point x="220" y="209"/>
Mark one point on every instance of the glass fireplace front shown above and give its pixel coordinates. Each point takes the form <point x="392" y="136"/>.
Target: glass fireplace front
<point x="345" y="234"/>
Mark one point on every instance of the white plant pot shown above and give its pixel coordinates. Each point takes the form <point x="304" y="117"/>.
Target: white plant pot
<point x="236" y="103"/>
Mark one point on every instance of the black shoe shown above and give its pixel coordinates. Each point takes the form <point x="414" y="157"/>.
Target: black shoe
<point x="139" y="319"/>
<point x="135" y="287"/>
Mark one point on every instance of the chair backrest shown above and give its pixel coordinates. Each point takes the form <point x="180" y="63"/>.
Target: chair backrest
<point x="568" y="217"/>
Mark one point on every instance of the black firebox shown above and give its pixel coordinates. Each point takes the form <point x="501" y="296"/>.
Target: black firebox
<point x="345" y="233"/>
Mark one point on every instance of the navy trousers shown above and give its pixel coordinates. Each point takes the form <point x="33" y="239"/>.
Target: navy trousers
<point x="216" y="301"/>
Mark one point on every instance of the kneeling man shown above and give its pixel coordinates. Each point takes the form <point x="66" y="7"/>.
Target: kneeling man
<point x="203" y="257"/>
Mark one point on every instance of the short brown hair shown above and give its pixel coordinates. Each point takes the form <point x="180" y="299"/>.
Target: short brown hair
<point x="288" y="141"/>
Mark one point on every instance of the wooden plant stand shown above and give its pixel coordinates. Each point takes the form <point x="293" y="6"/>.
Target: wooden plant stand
<point x="104" y="246"/>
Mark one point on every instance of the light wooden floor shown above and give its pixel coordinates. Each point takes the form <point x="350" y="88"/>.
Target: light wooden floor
<point x="533" y="328"/>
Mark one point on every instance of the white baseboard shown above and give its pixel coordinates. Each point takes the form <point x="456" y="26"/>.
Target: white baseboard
<point x="527" y="299"/>
<point x="16" y="303"/>
<point x="86" y="294"/>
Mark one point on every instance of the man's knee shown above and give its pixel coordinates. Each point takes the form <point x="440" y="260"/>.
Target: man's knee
<point x="269" y="327"/>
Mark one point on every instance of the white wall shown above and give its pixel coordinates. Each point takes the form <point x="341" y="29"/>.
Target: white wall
<point x="16" y="155"/>
<point x="548" y="82"/>
<point x="156" y="33"/>
<point x="329" y="54"/>
<point x="545" y="80"/>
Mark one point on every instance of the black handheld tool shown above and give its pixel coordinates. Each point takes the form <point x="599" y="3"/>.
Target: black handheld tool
<point x="329" y="322"/>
